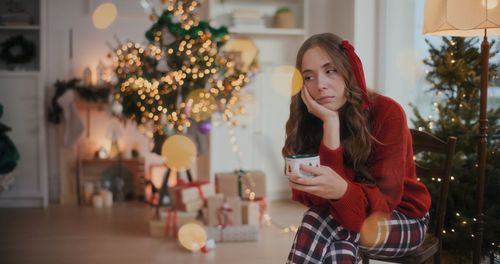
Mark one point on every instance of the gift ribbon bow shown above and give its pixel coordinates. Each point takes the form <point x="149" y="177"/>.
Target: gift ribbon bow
<point x="196" y="184"/>
<point x="243" y="178"/>
<point x="224" y="217"/>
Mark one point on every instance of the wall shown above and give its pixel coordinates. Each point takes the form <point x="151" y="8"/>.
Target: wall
<point x="89" y="46"/>
<point x="383" y="32"/>
<point x="398" y="61"/>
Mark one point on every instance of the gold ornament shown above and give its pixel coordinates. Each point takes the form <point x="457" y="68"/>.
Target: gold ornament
<point x="192" y="236"/>
<point x="200" y="104"/>
<point x="245" y="52"/>
<point x="178" y="152"/>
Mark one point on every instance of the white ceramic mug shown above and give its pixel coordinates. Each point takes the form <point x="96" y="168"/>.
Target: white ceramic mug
<point x="292" y="164"/>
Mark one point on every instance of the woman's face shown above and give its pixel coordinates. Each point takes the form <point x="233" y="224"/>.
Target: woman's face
<point x="321" y="79"/>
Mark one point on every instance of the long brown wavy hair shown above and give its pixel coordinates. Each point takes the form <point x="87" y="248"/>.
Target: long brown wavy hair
<point x="304" y="131"/>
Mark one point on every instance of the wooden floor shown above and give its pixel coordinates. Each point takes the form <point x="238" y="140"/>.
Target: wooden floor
<point x="71" y="234"/>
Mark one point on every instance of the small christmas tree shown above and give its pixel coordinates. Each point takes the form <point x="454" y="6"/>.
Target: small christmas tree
<point x="454" y="74"/>
<point x="181" y="76"/>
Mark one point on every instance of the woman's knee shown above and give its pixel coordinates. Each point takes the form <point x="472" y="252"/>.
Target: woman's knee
<point x="322" y="221"/>
<point x="319" y="213"/>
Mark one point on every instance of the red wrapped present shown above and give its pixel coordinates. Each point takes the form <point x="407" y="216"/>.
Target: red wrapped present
<point x="185" y="192"/>
<point x="216" y="203"/>
<point x="191" y="196"/>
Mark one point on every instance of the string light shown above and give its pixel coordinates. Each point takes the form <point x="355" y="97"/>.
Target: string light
<point x="285" y="229"/>
<point x="160" y="102"/>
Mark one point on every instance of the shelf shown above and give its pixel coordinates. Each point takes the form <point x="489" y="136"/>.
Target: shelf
<point x="20" y="27"/>
<point x="4" y="73"/>
<point x="267" y="31"/>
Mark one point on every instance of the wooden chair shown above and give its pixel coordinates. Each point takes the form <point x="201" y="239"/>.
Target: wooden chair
<point x="425" y="142"/>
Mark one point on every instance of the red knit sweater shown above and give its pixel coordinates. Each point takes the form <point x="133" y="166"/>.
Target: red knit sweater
<point x="392" y="166"/>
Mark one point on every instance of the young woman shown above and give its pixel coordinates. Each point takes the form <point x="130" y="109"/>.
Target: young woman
<point x="365" y="195"/>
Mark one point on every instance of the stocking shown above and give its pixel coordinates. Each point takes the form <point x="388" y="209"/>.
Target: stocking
<point x="74" y="124"/>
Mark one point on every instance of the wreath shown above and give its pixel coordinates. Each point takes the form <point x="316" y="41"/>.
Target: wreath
<point x="17" y="50"/>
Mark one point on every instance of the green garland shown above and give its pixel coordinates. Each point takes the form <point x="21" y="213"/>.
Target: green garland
<point x="10" y="53"/>
<point x="87" y="93"/>
<point x="166" y="21"/>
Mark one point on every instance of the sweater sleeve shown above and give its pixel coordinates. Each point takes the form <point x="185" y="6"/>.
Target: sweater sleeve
<point x="386" y="166"/>
<point x="335" y="160"/>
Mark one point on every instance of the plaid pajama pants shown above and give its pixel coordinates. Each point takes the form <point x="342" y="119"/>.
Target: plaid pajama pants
<point x="320" y="239"/>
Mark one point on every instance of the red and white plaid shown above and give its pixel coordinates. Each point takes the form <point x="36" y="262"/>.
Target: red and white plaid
<point x="320" y="239"/>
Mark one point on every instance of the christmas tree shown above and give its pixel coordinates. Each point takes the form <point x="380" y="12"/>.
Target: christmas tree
<point x="181" y="77"/>
<point x="454" y="74"/>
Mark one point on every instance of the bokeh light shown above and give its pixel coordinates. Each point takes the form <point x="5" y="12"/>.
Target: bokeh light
<point x="245" y="108"/>
<point x="374" y="230"/>
<point x="178" y="152"/>
<point x="104" y="15"/>
<point x="286" y="80"/>
<point x="200" y="104"/>
<point x="192" y="236"/>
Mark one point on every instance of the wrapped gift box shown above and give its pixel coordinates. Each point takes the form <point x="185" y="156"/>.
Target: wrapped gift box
<point x="233" y="233"/>
<point x="214" y="205"/>
<point x="214" y="202"/>
<point x="250" y="213"/>
<point x="241" y="184"/>
<point x="191" y="206"/>
<point x="235" y="204"/>
<point x="186" y="193"/>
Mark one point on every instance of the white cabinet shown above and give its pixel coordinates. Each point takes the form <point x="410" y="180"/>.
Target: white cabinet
<point x="22" y="95"/>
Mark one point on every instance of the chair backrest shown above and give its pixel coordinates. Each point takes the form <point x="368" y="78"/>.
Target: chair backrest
<point x="426" y="142"/>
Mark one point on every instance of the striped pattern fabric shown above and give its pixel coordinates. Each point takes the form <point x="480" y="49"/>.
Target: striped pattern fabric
<point x="320" y="239"/>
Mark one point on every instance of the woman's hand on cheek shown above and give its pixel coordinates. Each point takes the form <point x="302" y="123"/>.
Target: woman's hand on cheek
<point x="326" y="183"/>
<point x="317" y="109"/>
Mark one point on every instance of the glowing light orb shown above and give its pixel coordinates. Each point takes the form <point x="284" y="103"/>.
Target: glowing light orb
<point x="286" y="80"/>
<point x="104" y="15"/>
<point x="178" y="152"/>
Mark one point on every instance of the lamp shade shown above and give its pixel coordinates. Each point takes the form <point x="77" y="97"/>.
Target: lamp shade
<point x="462" y="18"/>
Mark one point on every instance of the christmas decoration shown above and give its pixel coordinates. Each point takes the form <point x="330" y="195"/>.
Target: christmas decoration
<point x="192" y="236"/>
<point x="114" y="133"/>
<point x="249" y="185"/>
<point x="74" y="123"/>
<point x="245" y="53"/>
<point x="85" y="92"/>
<point x="454" y="75"/>
<point x="9" y="156"/>
<point x="178" y="152"/>
<point x="233" y="233"/>
<point x="181" y="75"/>
<point x="205" y="126"/>
<point x="17" y="50"/>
